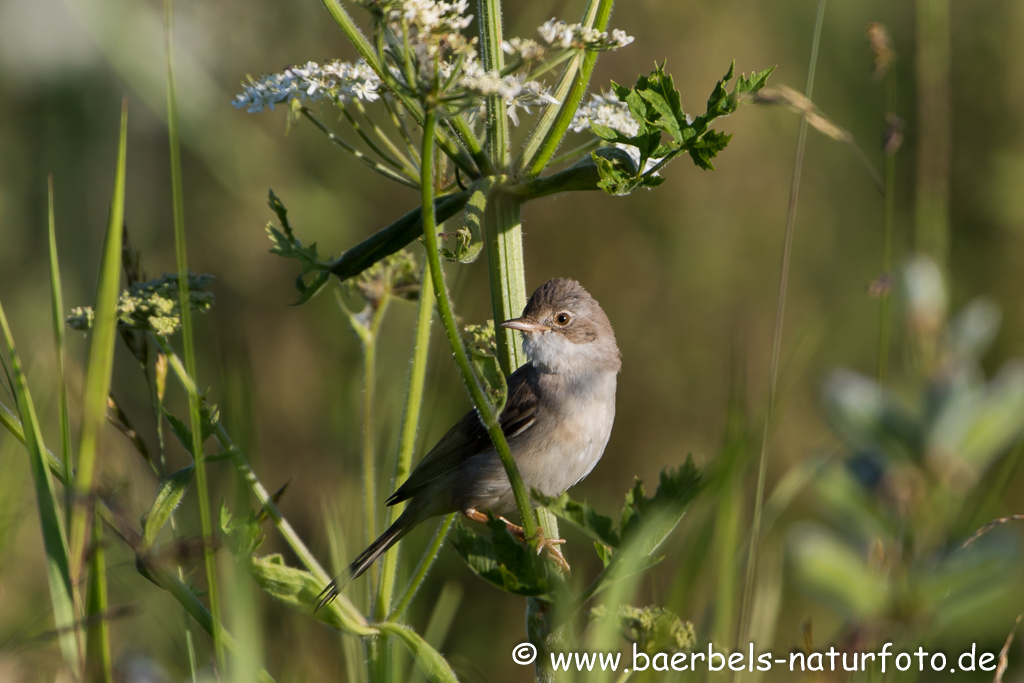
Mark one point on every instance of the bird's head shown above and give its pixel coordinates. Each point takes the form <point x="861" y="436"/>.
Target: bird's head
<point x="565" y="330"/>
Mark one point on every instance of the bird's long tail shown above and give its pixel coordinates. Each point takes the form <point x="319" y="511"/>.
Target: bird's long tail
<point x="359" y="565"/>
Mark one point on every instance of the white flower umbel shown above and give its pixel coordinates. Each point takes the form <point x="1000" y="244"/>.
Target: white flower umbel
<point x="514" y="89"/>
<point x="607" y="110"/>
<point x="337" y="81"/>
<point x="527" y="49"/>
<point x="559" y="33"/>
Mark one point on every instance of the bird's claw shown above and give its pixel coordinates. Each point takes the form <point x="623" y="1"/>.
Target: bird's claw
<point x="544" y="544"/>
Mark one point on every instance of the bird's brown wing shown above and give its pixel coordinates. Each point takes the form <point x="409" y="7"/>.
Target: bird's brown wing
<point x="469" y="437"/>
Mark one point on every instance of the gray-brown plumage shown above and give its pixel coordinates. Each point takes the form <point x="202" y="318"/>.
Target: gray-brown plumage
<point x="557" y="420"/>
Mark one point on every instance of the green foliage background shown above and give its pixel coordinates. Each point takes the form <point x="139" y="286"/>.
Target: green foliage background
<point x="687" y="274"/>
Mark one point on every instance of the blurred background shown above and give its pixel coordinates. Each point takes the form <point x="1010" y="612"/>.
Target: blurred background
<point x="688" y="274"/>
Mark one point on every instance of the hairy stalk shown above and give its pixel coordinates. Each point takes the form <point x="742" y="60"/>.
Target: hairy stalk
<point x="496" y="132"/>
<point x="503" y="235"/>
<point x="572" y="86"/>
<point x="195" y="421"/>
<point x="743" y="635"/>
<point x="407" y="436"/>
<point x="890" y="207"/>
<point x="488" y="415"/>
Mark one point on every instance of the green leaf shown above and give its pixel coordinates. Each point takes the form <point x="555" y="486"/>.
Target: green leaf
<point x="503" y="561"/>
<point x="829" y="569"/>
<point x="244" y="535"/>
<point x="101" y="358"/>
<point x="977" y="424"/>
<point x="869" y="418"/>
<point x="647" y="522"/>
<point x="287" y="245"/>
<point x="429" y="660"/>
<point x="55" y="547"/>
<point x="293" y="587"/>
<point x="209" y="415"/>
<point x="656" y="106"/>
<point x="172" y="489"/>
<point x="584" y="517"/>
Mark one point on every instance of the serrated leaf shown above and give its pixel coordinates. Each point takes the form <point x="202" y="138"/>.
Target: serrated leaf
<point x="647" y="522"/>
<point x="209" y="416"/>
<point x="469" y="238"/>
<point x="169" y="494"/>
<point x="306" y="292"/>
<point x="503" y="561"/>
<point x="583" y="516"/>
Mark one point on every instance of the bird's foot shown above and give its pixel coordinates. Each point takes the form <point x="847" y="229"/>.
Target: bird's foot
<point x="550" y="545"/>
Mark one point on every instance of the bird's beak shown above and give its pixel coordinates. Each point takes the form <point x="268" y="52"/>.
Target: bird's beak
<point x="523" y="325"/>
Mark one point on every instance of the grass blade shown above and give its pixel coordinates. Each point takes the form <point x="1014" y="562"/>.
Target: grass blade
<point x="101" y="360"/>
<point x="202" y="489"/>
<point x="57" y="301"/>
<point x="54" y="541"/>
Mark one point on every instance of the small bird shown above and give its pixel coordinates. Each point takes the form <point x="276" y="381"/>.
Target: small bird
<point x="557" y="420"/>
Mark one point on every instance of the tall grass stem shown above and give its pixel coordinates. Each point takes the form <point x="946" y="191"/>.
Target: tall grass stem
<point x="780" y="314"/>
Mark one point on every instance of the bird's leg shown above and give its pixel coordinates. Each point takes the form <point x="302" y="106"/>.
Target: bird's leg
<point x="546" y="544"/>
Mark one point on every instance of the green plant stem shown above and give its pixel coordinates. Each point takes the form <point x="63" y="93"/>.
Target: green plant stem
<point x="375" y="166"/>
<point x="98" y="637"/>
<point x="192" y="606"/>
<point x="181" y="254"/>
<point x="400" y="155"/>
<point x="496" y="136"/>
<point x="385" y="157"/>
<point x="57" y="299"/>
<point x="890" y="209"/>
<point x="421" y="571"/>
<point x="354" y="621"/>
<point x="571" y="87"/>
<point x="487" y="413"/>
<point x="407" y="435"/>
<point x="576" y="152"/>
<point x="503" y="237"/>
<point x="746" y="605"/>
<point x="398" y="121"/>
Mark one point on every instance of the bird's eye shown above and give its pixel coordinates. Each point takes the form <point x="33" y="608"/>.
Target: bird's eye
<point x="563" y="318"/>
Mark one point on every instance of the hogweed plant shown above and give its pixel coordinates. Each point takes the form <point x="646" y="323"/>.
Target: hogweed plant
<point x="441" y="101"/>
<point x="429" y="105"/>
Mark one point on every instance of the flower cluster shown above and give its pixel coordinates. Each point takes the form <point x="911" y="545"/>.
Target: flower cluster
<point x="337" y="81"/>
<point x="527" y="49"/>
<point x="423" y="16"/>
<point x="606" y="110"/>
<point x="514" y="89"/>
<point x="562" y="34"/>
<point x="151" y="306"/>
